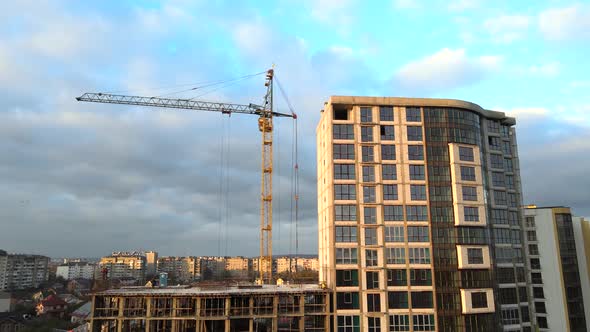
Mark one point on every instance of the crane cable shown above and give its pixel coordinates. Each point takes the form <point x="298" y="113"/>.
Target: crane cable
<point x="294" y="176"/>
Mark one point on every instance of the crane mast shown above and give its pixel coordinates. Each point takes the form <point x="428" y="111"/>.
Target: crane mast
<point x="265" y="125"/>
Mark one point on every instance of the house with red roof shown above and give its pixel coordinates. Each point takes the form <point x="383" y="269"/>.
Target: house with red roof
<point x="53" y="306"/>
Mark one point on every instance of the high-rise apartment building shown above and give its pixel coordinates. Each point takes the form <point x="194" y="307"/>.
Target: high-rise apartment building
<point x="556" y="253"/>
<point x="180" y="269"/>
<point x="18" y="271"/>
<point x="418" y="208"/>
<point x="80" y="270"/>
<point x="151" y="264"/>
<point x="124" y="266"/>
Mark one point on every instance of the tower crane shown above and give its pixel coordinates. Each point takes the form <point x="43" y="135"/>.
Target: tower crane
<point x="265" y="125"/>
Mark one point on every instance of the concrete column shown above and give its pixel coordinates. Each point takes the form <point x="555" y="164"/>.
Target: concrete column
<point x="120" y="319"/>
<point x="148" y="313"/>
<point x="93" y="307"/>
<point x="227" y="313"/>
<point x="173" y="313"/>
<point x="198" y="313"/>
<point x="275" y="313"/>
<point x="302" y="312"/>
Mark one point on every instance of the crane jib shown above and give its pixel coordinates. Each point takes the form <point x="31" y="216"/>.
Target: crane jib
<point x="225" y="108"/>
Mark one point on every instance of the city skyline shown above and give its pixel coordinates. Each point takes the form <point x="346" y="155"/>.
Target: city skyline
<point x="92" y="178"/>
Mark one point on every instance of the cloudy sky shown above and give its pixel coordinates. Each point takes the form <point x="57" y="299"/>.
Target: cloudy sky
<point x="85" y="179"/>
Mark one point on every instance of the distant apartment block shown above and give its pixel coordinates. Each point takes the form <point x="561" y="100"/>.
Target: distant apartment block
<point x="295" y="264"/>
<point x="79" y="270"/>
<point x="557" y="252"/>
<point x="151" y="258"/>
<point x="237" y="267"/>
<point x="124" y="266"/>
<point x="19" y="271"/>
<point x="180" y="269"/>
<point x="418" y="206"/>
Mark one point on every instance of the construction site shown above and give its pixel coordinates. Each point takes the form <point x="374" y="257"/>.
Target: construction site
<point x="262" y="308"/>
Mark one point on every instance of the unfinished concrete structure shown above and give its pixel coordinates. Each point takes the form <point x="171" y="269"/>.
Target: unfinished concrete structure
<point x="213" y="309"/>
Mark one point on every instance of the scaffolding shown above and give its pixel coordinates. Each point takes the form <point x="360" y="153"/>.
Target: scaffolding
<point x="198" y="309"/>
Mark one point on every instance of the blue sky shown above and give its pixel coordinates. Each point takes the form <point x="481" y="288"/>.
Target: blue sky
<point x="117" y="178"/>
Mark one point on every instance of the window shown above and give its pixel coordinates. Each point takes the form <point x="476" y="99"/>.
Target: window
<point x="386" y="113"/>
<point x="369" y="194"/>
<point x="346" y="234"/>
<point x="374" y="323"/>
<point x="393" y="213"/>
<point x="466" y="154"/>
<point x="399" y="323"/>
<point x="344" y="172"/>
<point x="389" y="172"/>
<point x="498" y="179"/>
<point x="542" y="322"/>
<point x="366" y="134"/>
<point x="347" y="300"/>
<point x="508" y="167"/>
<point x="370" y="236"/>
<point x="390" y="192"/>
<point x="530" y="221"/>
<point x="506" y="148"/>
<point x="494" y="143"/>
<point x="387" y="133"/>
<point x="538" y="293"/>
<point x="479" y="300"/>
<point x="500" y="197"/>
<point x="416" y="213"/>
<point x="507" y="295"/>
<point x="414" y="133"/>
<point x="420" y="277"/>
<point x="373" y="303"/>
<point x="397" y="277"/>
<point x="346" y="278"/>
<point x="366" y="114"/>
<point x="340" y="114"/>
<point x="416" y="172"/>
<point x="536" y="278"/>
<point x="413" y="114"/>
<point x="387" y="152"/>
<point x="531" y="235"/>
<point x="496" y="161"/>
<point x="469" y="193"/>
<point x="345" y="212"/>
<point x="344" y="151"/>
<point x="493" y="126"/>
<point x="343" y="131"/>
<point x="533" y="249"/>
<point x="471" y="213"/>
<point x="419" y="255"/>
<point x="368" y="154"/>
<point x="499" y="216"/>
<point x="346" y="256"/>
<point x="344" y="191"/>
<point x="421" y="300"/>
<point x="371" y="257"/>
<point x="397" y="300"/>
<point x="370" y="215"/>
<point x="394" y="234"/>
<point x="395" y="255"/>
<point x="423" y="322"/>
<point x="467" y="173"/>
<point x="510" y="181"/>
<point x="372" y="280"/>
<point x="415" y="152"/>
<point x="512" y="201"/>
<point x="474" y="256"/>
<point x="540" y="308"/>
<point x="349" y="324"/>
<point x="418" y="192"/>
<point x="418" y="234"/>
<point x="510" y="316"/>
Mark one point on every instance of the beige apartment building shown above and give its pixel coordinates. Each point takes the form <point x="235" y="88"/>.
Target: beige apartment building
<point x="237" y="267"/>
<point x="294" y="264"/>
<point x="418" y="204"/>
<point x="181" y="269"/>
<point x="124" y="266"/>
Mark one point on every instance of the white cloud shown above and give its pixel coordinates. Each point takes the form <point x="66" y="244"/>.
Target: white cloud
<point x="526" y="113"/>
<point x="407" y="4"/>
<point x="445" y="69"/>
<point x="252" y="37"/>
<point x="507" y="28"/>
<point x="549" y="69"/>
<point x="460" y="5"/>
<point x="336" y="13"/>
<point x="559" y="24"/>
